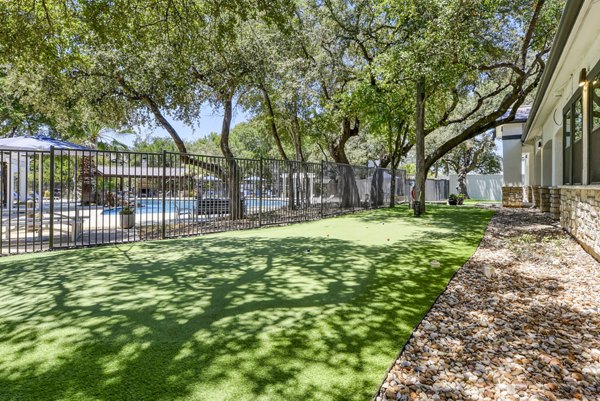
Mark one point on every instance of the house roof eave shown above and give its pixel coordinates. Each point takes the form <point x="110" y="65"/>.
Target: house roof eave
<point x="565" y="27"/>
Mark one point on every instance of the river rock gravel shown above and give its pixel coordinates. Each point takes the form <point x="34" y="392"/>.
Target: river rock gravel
<point x="519" y="321"/>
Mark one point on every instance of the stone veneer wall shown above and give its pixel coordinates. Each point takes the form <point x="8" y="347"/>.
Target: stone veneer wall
<point x="528" y="193"/>
<point x="512" y="196"/>
<point x="555" y="203"/>
<point x="579" y="215"/>
<point x="535" y="195"/>
<point x="544" y="199"/>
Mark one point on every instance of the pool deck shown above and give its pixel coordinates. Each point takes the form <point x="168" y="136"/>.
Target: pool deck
<point x="99" y="227"/>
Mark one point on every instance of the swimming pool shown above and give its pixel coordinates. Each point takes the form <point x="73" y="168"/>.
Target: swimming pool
<point x="148" y="206"/>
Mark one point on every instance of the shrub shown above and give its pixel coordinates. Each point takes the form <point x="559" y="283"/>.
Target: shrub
<point x="127" y="210"/>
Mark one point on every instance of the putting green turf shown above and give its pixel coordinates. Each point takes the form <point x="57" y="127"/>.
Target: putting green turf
<point x="235" y="316"/>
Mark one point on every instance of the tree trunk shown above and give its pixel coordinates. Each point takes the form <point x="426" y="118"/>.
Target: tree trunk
<point x="185" y="158"/>
<point x="302" y="190"/>
<point x="377" y="193"/>
<point x="393" y="185"/>
<point x="290" y="185"/>
<point x="294" y="193"/>
<point x="297" y="138"/>
<point x="347" y="188"/>
<point x="306" y="186"/>
<point x="462" y="182"/>
<point x="233" y="173"/>
<point x="421" y="173"/>
<point x="275" y="134"/>
<point x="272" y="124"/>
<point x="86" y="176"/>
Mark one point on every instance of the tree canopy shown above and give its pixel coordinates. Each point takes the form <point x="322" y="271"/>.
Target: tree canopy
<point x="343" y="80"/>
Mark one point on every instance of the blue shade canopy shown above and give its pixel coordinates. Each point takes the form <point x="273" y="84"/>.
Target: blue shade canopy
<point x="38" y="142"/>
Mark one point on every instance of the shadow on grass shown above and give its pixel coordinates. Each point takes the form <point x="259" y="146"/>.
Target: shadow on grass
<point x="461" y="223"/>
<point x="220" y="317"/>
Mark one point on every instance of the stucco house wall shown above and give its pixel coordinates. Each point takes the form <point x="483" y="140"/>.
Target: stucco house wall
<point x="576" y="47"/>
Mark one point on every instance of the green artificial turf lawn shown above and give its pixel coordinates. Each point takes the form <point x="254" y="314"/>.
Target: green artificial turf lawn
<point x="235" y="316"/>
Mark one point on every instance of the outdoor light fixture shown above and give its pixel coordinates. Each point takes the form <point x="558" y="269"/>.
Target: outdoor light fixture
<point x="539" y="144"/>
<point x="582" y="77"/>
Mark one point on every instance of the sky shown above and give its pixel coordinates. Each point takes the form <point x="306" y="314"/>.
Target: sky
<point x="210" y="121"/>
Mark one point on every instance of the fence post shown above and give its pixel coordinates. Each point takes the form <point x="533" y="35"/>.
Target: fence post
<point x="51" y="237"/>
<point x="322" y="185"/>
<point x="164" y="195"/>
<point x="260" y="193"/>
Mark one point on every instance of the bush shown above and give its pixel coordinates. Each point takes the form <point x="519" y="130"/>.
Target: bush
<point x="453" y="199"/>
<point x="127" y="210"/>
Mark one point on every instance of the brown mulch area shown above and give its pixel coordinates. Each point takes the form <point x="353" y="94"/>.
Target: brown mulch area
<point x="531" y="331"/>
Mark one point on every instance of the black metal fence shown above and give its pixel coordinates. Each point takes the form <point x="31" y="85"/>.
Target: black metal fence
<point x="74" y="198"/>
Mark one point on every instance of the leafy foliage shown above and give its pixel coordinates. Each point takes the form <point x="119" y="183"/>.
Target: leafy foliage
<point x="332" y="78"/>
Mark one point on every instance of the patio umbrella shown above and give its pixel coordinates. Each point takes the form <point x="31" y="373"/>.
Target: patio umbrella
<point x="39" y="143"/>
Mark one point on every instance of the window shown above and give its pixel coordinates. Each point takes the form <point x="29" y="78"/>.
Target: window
<point x="577" y="142"/>
<point x="567" y="147"/>
<point x="573" y="140"/>
<point x="594" y="155"/>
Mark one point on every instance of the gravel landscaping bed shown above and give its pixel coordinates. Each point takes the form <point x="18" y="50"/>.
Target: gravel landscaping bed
<point x="531" y="331"/>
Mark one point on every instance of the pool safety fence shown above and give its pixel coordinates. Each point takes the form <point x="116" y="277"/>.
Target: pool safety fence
<point x="75" y="198"/>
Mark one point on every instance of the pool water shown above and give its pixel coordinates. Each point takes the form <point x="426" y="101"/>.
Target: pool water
<point x="174" y="205"/>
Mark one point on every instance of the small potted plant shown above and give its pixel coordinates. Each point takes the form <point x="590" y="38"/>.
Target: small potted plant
<point x="453" y="200"/>
<point x="460" y="199"/>
<point x="126" y="217"/>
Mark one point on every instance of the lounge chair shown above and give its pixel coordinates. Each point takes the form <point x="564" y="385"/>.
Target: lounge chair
<point x="17" y="226"/>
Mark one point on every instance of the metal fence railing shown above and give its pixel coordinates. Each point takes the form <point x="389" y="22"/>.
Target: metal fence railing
<point x="76" y="198"/>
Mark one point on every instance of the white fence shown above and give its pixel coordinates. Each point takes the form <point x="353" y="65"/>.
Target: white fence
<point x="480" y="186"/>
<point x="436" y="189"/>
